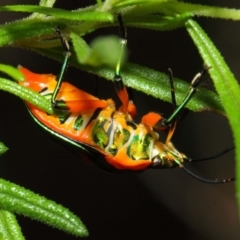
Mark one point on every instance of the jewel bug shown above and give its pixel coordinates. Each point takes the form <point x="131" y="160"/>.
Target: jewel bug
<point x="109" y="136"/>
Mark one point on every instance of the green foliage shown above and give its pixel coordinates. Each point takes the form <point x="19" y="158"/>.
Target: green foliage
<point x="36" y="33"/>
<point x="3" y="148"/>
<point x="9" y="228"/>
<point x="16" y="199"/>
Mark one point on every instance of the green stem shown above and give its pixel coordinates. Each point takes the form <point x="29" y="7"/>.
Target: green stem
<point x="225" y="83"/>
<point x="9" y="228"/>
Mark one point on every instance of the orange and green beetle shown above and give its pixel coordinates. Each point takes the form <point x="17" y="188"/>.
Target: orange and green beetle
<point x="98" y="128"/>
<point x="94" y="124"/>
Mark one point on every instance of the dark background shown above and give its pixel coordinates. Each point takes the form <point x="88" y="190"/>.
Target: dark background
<point x="155" y="204"/>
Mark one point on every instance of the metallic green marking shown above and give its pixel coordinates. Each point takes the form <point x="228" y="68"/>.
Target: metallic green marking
<point x="99" y="136"/>
<point x="61" y="105"/>
<point x="139" y="149"/>
<point x="78" y="123"/>
<point x="63" y="117"/>
<point x="120" y="137"/>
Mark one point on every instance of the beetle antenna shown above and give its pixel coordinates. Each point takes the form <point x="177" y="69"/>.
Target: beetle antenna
<point x="213" y="156"/>
<point x="216" y="181"/>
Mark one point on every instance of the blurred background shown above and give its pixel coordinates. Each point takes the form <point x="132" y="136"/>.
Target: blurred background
<point x="155" y="204"/>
